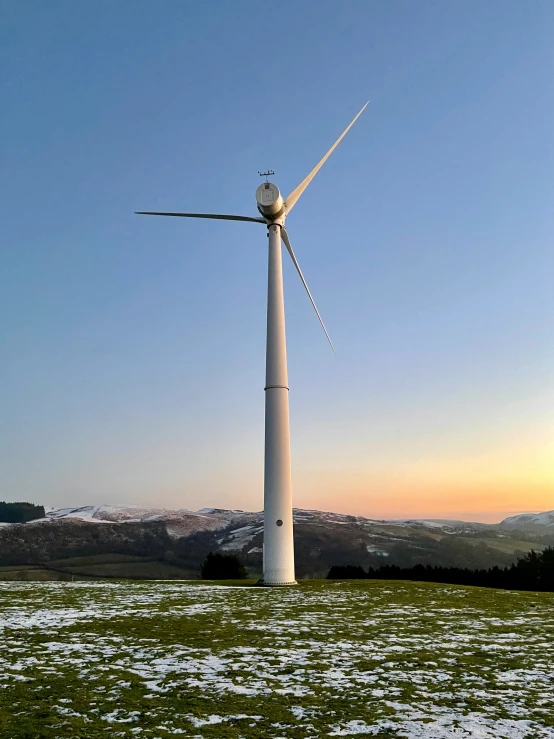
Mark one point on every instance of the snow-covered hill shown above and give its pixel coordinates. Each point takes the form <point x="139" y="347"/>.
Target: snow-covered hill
<point x="183" y="521"/>
<point x="530" y="519"/>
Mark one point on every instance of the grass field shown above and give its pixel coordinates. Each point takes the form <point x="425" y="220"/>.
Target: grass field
<point x="99" y="566"/>
<point x="164" y="659"/>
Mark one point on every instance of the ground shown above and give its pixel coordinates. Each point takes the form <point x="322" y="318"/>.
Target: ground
<point x="383" y="659"/>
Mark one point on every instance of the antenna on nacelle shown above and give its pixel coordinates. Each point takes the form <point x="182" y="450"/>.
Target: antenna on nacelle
<point x="266" y="174"/>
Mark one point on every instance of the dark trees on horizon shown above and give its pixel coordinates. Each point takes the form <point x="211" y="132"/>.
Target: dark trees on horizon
<point x="534" y="571"/>
<point x="20" y="512"/>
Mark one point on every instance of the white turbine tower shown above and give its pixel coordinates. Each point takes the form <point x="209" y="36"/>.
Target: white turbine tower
<point x="278" y="556"/>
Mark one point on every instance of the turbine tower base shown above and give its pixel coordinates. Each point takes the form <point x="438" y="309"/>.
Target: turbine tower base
<point x="263" y="584"/>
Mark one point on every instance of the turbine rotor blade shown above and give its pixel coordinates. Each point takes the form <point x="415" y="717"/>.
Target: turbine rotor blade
<point x="296" y="193"/>
<point x="217" y="216"/>
<point x="285" y="237"/>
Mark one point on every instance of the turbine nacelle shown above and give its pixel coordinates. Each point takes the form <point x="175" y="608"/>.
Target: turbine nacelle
<point x="270" y="201"/>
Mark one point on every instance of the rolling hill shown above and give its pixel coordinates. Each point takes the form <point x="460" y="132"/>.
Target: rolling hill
<point x="157" y="543"/>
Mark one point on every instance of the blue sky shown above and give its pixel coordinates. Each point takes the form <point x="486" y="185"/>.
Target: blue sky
<point x="133" y="348"/>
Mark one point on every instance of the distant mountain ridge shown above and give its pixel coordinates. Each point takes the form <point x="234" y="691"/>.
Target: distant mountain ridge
<point x="180" y="539"/>
<point x="212" y="517"/>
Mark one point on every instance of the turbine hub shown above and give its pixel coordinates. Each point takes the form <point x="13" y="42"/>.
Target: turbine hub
<point x="269" y="200"/>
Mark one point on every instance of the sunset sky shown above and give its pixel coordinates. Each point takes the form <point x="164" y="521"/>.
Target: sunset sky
<point x="133" y="348"/>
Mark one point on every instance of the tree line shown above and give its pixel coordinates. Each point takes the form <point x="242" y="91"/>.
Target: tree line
<point x="220" y="566"/>
<point x="20" y="512"/>
<point x="533" y="571"/>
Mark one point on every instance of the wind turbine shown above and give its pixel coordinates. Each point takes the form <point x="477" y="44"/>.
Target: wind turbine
<point x="278" y="550"/>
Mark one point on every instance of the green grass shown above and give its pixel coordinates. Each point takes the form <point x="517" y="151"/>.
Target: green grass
<point x="505" y="544"/>
<point x="381" y="659"/>
<point x="28" y="572"/>
<point x="98" y="559"/>
<point x="143" y="570"/>
<point x="100" y="566"/>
